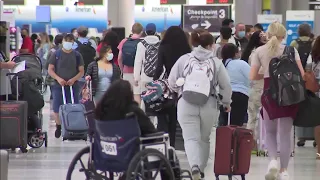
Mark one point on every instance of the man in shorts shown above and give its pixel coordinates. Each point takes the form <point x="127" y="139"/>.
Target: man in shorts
<point x="66" y="66"/>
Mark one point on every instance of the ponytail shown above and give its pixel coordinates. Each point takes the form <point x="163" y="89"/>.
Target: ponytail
<point x="273" y="45"/>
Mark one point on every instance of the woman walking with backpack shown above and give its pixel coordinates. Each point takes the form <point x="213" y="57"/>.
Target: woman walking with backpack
<point x="198" y="104"/>
<point x="274" y="114"/>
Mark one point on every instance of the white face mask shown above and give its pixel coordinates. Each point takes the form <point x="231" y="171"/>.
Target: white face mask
<point x="233" y="30"/>
<point x="110" y="56"/>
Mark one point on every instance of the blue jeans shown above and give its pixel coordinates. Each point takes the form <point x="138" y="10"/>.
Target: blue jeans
<point x="58" y="98"/>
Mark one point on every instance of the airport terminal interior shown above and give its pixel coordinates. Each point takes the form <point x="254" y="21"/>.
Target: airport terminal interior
<point x="98" y="17"/>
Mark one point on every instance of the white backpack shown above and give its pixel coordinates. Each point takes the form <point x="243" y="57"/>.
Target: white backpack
<point x="199" y="80"/>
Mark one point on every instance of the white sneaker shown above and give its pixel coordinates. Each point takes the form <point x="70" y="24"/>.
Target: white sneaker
<point x="284" y="176"/>
<point x="272" y="170"/>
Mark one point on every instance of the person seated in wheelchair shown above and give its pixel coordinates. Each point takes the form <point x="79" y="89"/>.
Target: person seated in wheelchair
<point x="115" y="138"/>
<point x="117" y="102"/>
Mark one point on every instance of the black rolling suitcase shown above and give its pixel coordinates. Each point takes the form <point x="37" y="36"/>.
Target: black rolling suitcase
<point x="13" y="123"/>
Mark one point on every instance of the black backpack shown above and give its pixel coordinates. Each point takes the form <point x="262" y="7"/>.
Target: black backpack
<point x="304" y="49"/>
<point x="88" y="53"/>
<point x="287" y="86"/>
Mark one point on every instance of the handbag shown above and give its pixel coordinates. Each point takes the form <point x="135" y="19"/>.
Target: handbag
<point x="308" y="112"/>
<point x="311" y="81"/>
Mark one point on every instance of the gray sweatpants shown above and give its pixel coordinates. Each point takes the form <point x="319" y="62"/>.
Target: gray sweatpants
<point x="196" y="123"/>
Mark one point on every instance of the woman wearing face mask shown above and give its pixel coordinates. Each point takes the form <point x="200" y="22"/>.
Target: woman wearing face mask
<point x="102" y="72"/>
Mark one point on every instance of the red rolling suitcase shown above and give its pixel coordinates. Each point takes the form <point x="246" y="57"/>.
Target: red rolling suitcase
<point x="13" y="123"/>
<point x="233" y="151"/>
<point x="87" y="101"/>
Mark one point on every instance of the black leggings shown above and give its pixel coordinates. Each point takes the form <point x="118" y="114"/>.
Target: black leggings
<point x="167" y="122"/>
<point x="239" y="107"/>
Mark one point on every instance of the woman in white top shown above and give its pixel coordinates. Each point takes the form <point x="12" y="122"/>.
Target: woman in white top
<point x="273" y="114"/>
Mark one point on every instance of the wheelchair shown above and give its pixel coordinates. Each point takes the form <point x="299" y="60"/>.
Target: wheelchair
<point x="117" y="150"/>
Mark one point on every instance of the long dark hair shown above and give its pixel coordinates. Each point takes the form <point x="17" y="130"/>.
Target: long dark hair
<point x="111" y="39"/>
<point x="254" y="42"/>
<point x="315" y="53"/>
<point x="176" y="41"/>
<point x="103" y="51"/>
<point x="111" y="101"/>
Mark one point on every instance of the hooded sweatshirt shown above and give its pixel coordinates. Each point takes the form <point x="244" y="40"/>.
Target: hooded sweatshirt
<point x="203" y="54"/>
<point x="138" y="71"/>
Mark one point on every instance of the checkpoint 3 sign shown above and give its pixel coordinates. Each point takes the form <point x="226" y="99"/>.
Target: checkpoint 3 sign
<point x="206" y="17"/>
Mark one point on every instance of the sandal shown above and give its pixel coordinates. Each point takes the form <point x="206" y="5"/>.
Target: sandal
<point x="318" y="156"/>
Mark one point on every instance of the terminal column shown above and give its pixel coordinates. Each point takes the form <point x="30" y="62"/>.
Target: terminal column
<point x="246" y="11"/>
<point x="121" y="13"/>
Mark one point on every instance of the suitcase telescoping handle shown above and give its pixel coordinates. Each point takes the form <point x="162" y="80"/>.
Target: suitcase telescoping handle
<point x="64" y="95"/>
<point x="229" y="118"/>
<point x="8" y="84"/>
<point x="89" y="87"/>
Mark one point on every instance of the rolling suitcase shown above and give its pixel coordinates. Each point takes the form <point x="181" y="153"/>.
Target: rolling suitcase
<point x="13" y="122"/>
<point x="305" y="134"/>
<point x="233" y="151"/>
<point x="4" y="164"/>
<point x="74" y="125"/>
<point x="87" y="101"/>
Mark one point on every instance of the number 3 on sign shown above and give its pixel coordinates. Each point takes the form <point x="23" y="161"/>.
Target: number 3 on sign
<point x="109" y="148"/>
<point x="222" y="13"/>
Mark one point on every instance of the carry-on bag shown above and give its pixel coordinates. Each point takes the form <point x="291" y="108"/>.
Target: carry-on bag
<point x="233" y="151"/>
<point x="87" y="101"/>
<point x="305" y="134"/>
<point x="73" y="121"/>
<point x="261" y="142"/>
<point x="4" y="164"/>
<point x="13" y="121"/>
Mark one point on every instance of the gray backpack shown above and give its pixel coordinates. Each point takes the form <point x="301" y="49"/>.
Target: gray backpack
<point x="151" y="58"/>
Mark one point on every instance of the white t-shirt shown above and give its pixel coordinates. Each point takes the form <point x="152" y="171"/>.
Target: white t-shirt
<point x="4" y="80"/>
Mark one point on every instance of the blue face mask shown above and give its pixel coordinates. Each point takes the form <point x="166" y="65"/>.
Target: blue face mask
<point x="67" y="45"/>
<point x="241" y="34"/>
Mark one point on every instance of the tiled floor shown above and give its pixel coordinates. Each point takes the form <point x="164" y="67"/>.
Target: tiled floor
<point x="52" y="163"/>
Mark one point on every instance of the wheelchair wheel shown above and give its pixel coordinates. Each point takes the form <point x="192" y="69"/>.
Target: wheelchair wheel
<point x="149" y="164"/>
<point x="81" y="167"/>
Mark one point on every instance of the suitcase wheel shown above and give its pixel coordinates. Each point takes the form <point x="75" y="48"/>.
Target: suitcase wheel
<point x="301" y="143"/>
<point x="34" y="140"/>
<point x="314" y="144"/>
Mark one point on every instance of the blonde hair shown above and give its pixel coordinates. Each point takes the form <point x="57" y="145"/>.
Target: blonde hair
<point x="44" y="36"/>
<point x="275" y="31"/>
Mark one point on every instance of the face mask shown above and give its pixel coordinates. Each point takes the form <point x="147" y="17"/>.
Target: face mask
<point x="67" y="45"/>
<point x="241" y="34"/>
<point x="233" y="30"/>
<point x="110" y="56"/>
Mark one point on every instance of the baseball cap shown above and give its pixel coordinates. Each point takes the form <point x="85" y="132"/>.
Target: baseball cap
<point x="151" y="27"/>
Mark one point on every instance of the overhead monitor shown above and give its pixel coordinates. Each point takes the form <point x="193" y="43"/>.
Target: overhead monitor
<point x="51" y="2"/>
<point x="91" y="2"/>
<point x="13" y="2"/>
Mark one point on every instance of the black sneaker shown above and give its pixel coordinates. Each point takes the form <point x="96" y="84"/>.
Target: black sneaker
<point x="196" y="173"/>
<point x="202" y="175"/>
<point x="57" y="133"/>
